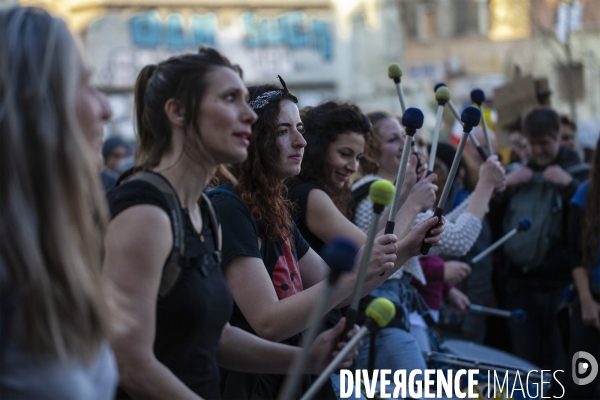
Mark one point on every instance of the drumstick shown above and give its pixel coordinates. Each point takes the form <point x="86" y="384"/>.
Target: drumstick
<point x="412" y="120"/>
<point x="518" y="316"/>
<point x="454" y="110"/>
<point x="523" y="225"/>
<point x="442" y="96"/>
<point x="470" y="118"/>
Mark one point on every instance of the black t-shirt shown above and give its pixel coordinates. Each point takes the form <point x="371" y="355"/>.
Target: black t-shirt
<point x="241" y="237"/>
<point x="298" y="194"/>
<point x="189" y="319"/>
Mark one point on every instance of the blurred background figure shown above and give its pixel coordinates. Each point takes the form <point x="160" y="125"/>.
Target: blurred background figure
<point x="117" y="156"/>
<point x="55" y="314"/>
<point x="584" y="260"/>
<point x="519" y="147"/>
<point x="117" y="152"/>
<point x="566" y="134"/>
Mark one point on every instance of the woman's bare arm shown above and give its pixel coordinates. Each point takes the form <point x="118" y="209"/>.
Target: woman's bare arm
<point x="134" y="259"/>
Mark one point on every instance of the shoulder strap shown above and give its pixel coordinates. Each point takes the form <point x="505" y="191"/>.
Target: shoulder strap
<point x="358" y="195"/>
<point x="216" y="227"/>
<point x="360" y="192"/>
<point x="171" y="270"/>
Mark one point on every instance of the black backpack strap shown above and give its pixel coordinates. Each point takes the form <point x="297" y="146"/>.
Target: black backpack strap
<point x="214" y="221"/>
<point x="358" y="195"/>
<point x="171" y="269"/>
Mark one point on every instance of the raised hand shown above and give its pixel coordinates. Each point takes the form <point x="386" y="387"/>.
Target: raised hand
<point x="491" y="174"/>
<point x="590" y="313"/>
<point x="327" y="345"/>
<point x="413" y="241"/>
<point x="382" y="256"/>
<point x="519" y="176"/>
<point x="423" y="193"/>
<point x="555" y="174"/>
<point x="458" y="300"/>
<point x="456" y="271"/>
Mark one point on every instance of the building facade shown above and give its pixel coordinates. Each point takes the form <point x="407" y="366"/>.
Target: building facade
<point x="340" y="49"/>
<point x="488" y="43"/>
<point x="324" y="49"/>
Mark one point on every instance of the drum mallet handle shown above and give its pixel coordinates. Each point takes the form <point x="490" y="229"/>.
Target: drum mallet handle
<point x="454" y="110"/>
<point x="523" y="225"/>
<point x="470" y="118"/>
<point x="489" y="311"/>
<point x="517" y="315"/>
<point x="478" y="97"/>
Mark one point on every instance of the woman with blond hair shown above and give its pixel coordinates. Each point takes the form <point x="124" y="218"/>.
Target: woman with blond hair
<point x="55" y="315"/>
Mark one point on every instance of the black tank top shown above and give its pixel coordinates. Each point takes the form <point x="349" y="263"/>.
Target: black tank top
<point x="298" y="194"/>
<point x="189" y="319"/>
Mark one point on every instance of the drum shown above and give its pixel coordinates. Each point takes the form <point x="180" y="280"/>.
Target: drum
<point x="501" y="375"/>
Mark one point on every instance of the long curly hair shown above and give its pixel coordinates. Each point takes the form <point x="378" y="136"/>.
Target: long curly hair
<point x="259" y="176"/>
<point x="322" y="126"/>
<point x="591" y="216"/>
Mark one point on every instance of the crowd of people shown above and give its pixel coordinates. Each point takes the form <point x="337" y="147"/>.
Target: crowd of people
<point x="192" y="269"/>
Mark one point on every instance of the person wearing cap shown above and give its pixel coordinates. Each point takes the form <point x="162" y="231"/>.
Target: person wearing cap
<point x="114" y="151"/>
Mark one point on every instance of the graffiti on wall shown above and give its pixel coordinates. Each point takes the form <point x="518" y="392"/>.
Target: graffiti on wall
<point x="294" y="30"/>
<point x="147" y="30"/>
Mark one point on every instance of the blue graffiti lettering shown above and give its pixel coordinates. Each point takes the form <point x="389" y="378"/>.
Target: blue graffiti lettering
<point x="292" y="29"/>
<point x="204" y="28"/>
<point x="175" y="33"/>
<point x="322" y="39"/>
<point x="147" y="30"/>
<point x="291" y="26"/>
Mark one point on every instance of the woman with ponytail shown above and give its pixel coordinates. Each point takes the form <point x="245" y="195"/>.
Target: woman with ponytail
<point x="192" y="115"/>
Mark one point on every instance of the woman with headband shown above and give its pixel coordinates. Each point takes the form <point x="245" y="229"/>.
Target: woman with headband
<point x="275" y="277"/>
<point x="192" y="115"/>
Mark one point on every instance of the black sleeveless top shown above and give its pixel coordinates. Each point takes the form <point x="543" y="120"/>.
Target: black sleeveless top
<point x="189" y="319"/>
<point x="298" y="194"/>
